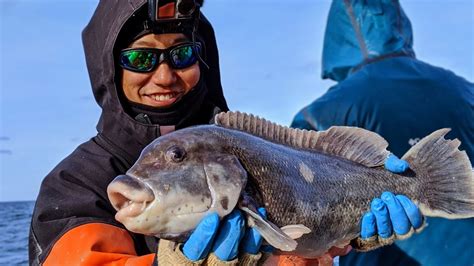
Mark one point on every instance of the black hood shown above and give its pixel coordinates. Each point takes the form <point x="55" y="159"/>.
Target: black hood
<point x="100" y="42"/>
<point x="74" y="193"/>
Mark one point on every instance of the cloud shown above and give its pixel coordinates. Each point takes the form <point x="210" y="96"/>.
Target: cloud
<point x="4" y="138"/>
<point x="268" y="76"/>
<point x="8" y="6"/>
<point x="6" y="152"/>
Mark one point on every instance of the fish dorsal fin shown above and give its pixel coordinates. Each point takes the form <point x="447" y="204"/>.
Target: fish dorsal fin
<point x="352" y="143"/>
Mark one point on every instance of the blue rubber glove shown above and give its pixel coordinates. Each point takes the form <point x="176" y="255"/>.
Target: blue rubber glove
<point x="396" y="165"/>
<point x="226" y="246"/>
<point x="253" y="240"/>
<point x="227" y="237"/>
<point x="199" y="243"/>
<point x="389" y="214"/>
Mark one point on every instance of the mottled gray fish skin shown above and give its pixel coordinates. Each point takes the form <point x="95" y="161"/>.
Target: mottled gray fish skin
<point x="330" y="203"/>
<point x="326" y="193"/>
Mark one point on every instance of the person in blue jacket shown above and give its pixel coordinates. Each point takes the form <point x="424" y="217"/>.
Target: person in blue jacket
<point x="383" y="87"/>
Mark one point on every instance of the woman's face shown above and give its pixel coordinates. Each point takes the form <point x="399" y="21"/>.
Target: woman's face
<point x="164" y="85"/>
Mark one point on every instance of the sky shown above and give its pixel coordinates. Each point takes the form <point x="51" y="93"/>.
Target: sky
<point x="270" y="57"/>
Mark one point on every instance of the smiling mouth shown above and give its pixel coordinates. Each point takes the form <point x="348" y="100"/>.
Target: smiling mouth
<point x="163" y="99"/>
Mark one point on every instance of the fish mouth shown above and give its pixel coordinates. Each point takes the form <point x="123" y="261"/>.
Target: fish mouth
<point x="129" y="196"/>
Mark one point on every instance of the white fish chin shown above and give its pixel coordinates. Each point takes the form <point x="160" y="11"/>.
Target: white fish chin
<point x="175" y="213"/>
<point x="167" y="227"/>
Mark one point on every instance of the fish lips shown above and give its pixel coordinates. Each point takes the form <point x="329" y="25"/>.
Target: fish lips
<point x="139" y="205"/>
<point x="129" y="196"/>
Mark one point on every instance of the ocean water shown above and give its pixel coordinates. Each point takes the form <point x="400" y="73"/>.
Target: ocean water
<point x="15" y="220"/>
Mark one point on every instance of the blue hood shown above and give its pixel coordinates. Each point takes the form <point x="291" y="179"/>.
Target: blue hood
<point x="362" y="31"/>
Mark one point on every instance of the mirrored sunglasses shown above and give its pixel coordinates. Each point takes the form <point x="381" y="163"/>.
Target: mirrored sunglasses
<point x="146" y="60"/>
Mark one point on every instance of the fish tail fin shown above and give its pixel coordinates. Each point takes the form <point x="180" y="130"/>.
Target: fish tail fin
<point x="447" y="188"/>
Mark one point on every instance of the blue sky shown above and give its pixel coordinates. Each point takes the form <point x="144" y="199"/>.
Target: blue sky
<point x="270" y="55"/>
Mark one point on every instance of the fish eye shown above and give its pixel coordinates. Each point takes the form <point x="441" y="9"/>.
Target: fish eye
<point x="175" y="154"/>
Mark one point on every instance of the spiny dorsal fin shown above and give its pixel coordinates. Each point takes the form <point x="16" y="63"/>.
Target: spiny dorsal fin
<point x="355" y="144"/>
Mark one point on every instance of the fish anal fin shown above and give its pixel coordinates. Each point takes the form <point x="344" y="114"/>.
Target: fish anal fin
<point x="270" y="232"/>
<point x="295" y="231"/>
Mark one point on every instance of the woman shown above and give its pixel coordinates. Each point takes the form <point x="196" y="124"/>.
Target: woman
<point x="154" y="68"/>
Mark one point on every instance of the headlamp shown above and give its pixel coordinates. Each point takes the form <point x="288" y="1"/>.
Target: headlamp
<point x="163" y="11"/>
<point x="168" y="16"/>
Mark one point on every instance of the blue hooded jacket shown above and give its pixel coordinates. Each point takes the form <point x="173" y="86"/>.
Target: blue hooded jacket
<point x="368" y="50"/>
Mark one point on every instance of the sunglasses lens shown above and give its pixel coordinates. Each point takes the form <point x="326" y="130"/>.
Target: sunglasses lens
<point x="138" y="60"/>
<point x="183" y="56"/>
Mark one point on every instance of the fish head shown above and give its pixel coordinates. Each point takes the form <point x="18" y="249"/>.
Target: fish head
<point x="178" y="179"/>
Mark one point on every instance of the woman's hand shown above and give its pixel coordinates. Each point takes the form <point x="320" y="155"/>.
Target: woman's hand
<point x="225" y="240"/>
<point x="390" y="214"/>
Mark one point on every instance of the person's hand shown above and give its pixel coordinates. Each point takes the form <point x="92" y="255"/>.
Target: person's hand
<point x="201" y="242"/>
<point x="390" y="214"/>
<point x="222" y="239"/>
<point x="396" y="165"/>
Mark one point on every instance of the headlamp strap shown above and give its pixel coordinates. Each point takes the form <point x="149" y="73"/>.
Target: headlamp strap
<point x="166" y="10"/>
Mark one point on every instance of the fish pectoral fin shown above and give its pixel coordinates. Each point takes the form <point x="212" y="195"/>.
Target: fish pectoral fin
<point x="295" y="231"/>
<point x="270" y="232"/>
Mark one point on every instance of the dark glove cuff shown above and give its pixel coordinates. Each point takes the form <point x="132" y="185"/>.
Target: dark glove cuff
<point x="244" y="259"/>
<point x="371" y="243"/>
<point x="213" y="260"/>
<point x="376" y="241"/>
<point x="169" y="253"/>
<point x="250" y="259"/>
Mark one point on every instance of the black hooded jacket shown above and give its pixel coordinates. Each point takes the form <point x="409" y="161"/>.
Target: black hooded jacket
<point x="73" y="219"/>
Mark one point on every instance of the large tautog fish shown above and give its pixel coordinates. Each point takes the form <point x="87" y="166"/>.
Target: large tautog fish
<point x="314" y="185"/>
